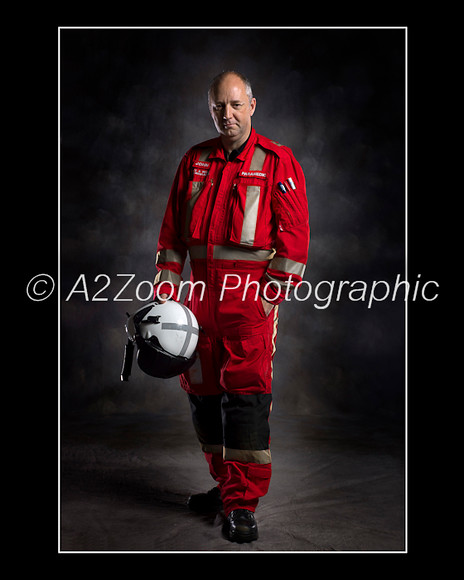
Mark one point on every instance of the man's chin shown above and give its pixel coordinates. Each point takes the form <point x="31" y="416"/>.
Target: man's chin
<point x="232" y="131"/>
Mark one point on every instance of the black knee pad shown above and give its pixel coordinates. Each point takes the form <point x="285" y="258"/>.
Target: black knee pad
<point x="245" y="421"/>
<point x="207" y="418"/>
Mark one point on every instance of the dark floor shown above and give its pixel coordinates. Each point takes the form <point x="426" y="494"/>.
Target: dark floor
<point x="338" y="485"/>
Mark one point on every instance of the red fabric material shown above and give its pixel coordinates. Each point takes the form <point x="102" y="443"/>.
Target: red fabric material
<point x="245" y="484"/>
<point x="241" y="484"/>
<point x="217" y="468"/>
<point x="208" y="203"/>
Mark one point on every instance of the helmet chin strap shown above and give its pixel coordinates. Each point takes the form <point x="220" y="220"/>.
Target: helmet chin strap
<point x="127" y="360"/>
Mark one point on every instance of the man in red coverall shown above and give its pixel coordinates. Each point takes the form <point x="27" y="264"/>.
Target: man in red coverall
<point x="238" y="207"/>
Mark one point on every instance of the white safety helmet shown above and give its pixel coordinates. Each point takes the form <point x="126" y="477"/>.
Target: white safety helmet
<point x="166" y="336"/>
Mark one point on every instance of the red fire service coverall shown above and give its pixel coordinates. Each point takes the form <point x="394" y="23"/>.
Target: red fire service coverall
<point x="245" y="225"/>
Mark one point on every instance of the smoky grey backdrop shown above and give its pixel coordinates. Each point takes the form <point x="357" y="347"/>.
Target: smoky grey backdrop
<point x="132" y="101"/>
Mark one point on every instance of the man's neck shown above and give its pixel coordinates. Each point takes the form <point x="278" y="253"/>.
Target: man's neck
<point x="230" y="146"/>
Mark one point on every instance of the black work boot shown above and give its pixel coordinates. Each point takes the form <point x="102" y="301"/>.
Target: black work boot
<point x="205" y="503"/>
<point x="240" y="526"/>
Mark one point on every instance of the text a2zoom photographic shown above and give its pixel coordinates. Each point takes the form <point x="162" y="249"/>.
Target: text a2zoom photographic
<point x="104" y="288"/>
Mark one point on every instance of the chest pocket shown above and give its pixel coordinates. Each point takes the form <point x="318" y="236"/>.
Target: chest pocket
<point x="197" y="195"/>
<point x="249" y="211"/>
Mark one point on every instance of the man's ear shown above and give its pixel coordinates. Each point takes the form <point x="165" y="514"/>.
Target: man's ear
<point x="252" y="106"/>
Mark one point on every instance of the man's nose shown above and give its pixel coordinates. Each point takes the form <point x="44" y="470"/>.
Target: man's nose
<point x="227" y="112"/>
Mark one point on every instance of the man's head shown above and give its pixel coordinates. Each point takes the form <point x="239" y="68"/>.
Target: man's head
<point x="231" y="104"/>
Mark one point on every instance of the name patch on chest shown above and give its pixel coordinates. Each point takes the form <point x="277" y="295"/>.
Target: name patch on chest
<point x="200" y="172"/>
<point x="201" y="169"/>
<point x="258" y="174"/>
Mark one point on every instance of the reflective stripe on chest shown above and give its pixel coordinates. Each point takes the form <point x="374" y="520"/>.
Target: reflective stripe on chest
<point x="253" y="195"/>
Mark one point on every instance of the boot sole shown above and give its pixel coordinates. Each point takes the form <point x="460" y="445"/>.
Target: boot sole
<point x="239" y="538"/>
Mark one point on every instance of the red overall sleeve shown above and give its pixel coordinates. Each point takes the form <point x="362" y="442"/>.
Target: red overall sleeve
<point x="287" y="267"/>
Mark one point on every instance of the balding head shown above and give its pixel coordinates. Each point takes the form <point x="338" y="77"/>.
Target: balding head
<point x="220" y="77"/>
<point x="231" y="104"/>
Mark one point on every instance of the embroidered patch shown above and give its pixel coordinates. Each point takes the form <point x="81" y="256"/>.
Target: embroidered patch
<point x="200" y="172"/>
<point x="259" y="174"/>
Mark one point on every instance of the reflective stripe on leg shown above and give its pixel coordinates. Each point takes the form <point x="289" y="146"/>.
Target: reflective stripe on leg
<point x="261" y="456"/>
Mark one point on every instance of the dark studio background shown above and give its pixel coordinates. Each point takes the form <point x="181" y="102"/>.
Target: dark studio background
<point x="133" y="101"/>
<point x="130" y="103"/>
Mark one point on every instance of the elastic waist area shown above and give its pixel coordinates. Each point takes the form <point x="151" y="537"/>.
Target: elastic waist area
<point x="231" y="253"/>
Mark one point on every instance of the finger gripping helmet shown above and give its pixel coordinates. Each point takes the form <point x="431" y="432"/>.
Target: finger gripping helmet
<point x="166" y="337"/>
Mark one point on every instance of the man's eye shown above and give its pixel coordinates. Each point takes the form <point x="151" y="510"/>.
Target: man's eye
<point x="237" y="105"/>
<point x="217" y="107"/>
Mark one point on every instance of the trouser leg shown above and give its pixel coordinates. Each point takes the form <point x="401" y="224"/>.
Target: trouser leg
<point x="233" y="431"/>
<point x="230" y="408"/>
<point x="246" y="450"/>
<point x="207" y="421"/>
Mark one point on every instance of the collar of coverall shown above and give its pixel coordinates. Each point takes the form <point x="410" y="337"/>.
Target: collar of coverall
<point x="235" y="153"/>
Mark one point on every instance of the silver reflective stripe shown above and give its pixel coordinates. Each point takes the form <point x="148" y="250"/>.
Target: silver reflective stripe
<point x="231" y="253"/>
<point x="166" y="255"/>
<point x="281" y="284"/>
<point x="187" y="328"/>
<point x="197" y="186"/>
<point x="250" y="215"/>
<point x="288" y="266"/>
<point x="167" y="276"/>
<point x="257" y="161"/>
<point x="248" y="455"/>
<point x="196" y="190"/>
<point x="253" y="192"/>
<point x="195" y="375"/>
<point x="207" y="448"/>
<point x="197" y="252"/>
<point x="191" y="330"/>
<point x="205" y="154"/>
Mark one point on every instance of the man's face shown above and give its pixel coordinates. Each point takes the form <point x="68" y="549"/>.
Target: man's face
<point x="231" y="109"/>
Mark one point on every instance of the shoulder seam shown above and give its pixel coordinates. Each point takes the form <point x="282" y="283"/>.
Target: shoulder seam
<point x="273" y="146"/>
